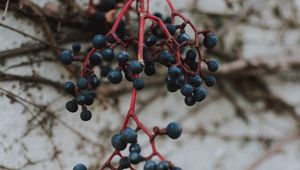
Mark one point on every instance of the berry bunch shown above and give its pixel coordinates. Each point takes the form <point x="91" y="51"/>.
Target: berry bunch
<point x="163" y="43"/>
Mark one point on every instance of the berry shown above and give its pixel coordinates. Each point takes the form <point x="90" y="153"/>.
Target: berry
<point x="166" y="57"/>
<point x="191" y="55"/>
<point x="123" y="57"/>
<point x="99" y="41"/>
<point x="124" y="163"/>
<point x="105" y="70"/>
<point x="79" y="167"/>
<point x="213" y="65"/>
<point x="115" y="76"/>
<point x="171" y="28"/>
<point x="72" y="106"/>
<point x="108" y="54"/>
<point x="174" y="130"/>
<point x="183" y="37"/>
<point x="176" y="168"/>
<point x="168" y="20"/>
<point x="106" y="5"/>
<point x="150" y="165"/>
<point x="96" y="58"/>
<point x="186" y="90"/>
<point x="150" y="70"/>
<point x="69" y="87"/>
<point x="94" y="81"/>
<point x="189" y="101"/>
<point x="163" y="165"/>
<point x="66" y="57"/>
<point x="86" y="115"/>
<point x="158" y="15"/>
<point x="135" y="157"/>
<point x="210" y="40"/>
<point x="135" y="67"/>
<point x="210" y="81"/>
<point x="151" y="40"/>
<point x="82" y="83"/>
<point x="172" y="88"/>
<point x="128" y="135"/>
<point x="174" y="71"/>
<point x="76" y="47"/>
<point x="195" y="80"/>
<point x="200" y="94"/>
<point x="117" y="143"/>
<point x="135" y="147"/>
<point x="138" y="83"/>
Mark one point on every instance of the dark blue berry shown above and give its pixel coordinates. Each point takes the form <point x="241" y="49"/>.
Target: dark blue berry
<point x="117" y="143"/>
<point x="135" y="157"/>
<point x="210" y="40"/>
<point x="128" y="135"/>
<point x="171" y="28"/>
<point x="163" y="165"/>
<point x="191" y="55"/>
<point x="135" y="67"/>
<point x="210" y="81"/>
<point x="79" y="167"/>
<point x="115" y="76"/>
<point x="108" y="54"/>
<point x="106" y="5"/>
<point x="76" y="47"/>
<point x="82" y="83"/>
<point x="124" y="162"/>
<point x="213" y="65"/>
<point x="158" y="15"/>
<point x="200" y="94"/>
<point x="96" y="58"/>
<point x="168" y="20"/>
<point x="99" y="41"/>
<point x="94" y="81"/>
<point x="183" y="37"/>
<point x="174" y="71"/>
<point x="123" y="57"/>
<point x="150" y="70"/>
<point x="105" y="70"/>
<point x="151" y="40"/>
<point x="150" y="165"/>
<point x="69" y="87"/>
<point x="86" y="115"/>
<point x="166" y="57"/>
<point x="135" y="147"/>
<point x="88" y="98"/>
<point x="195" y="80"/>
<point x="138" y="83"/>
<point x="81" y="99"/>
<point x="186" y="90"/>
<point x="189" y="101"/>
<point x="66" y="57"/>
<point x="174" y="130"/>
<point x="72" y="106"/>
<point x="172" y="88"/>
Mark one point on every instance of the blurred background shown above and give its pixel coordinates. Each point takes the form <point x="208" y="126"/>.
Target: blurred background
<point x="250" y="120"/>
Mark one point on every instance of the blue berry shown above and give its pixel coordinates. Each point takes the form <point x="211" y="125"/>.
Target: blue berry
<point x="200" y="94"/>
<point x="213" y="65"/>
<point x="210" y="81"/>
<point x="135" y="67"/>
<point x="186" y="90"/>
<point x="106" y="5"/>
<point x="171" y="28"/>
<point x="96" y="58"/>
<point x="82" y="83"/>
<point x="124" y="162"/>
<point x="174" y="130"/>
<point x="66" y="57"/>
<point x="94" y="81"/>
<point x="150" y="70"/>
<point x="138" y="83"/>
<point x="123" y="57"/>
<point x="105" y="70"/>
<point x="158" y="15"/>
<point x="163" y="165"/>
<point x="195" y="80"/>
<point x="150" y="165"/>
<point x="172" y="88"/>
<point x="166" y="57"/>
<point x="168" y="20"/>
<point x="81" y="99"/>
<point x="210" y="40"/>
<point x="99" y="41"/>
<point x="191" y="55"/>
<point x="189" y="101"/>
<point x="115" y="76"/>
<point x="117" y="143"/>
<point x="135" y="157"/>
<point x="128" y="135"/>
<point x="108" y="54"/>
<point x="88" y="98"/>
<point x="86" y="115"/>
<point x="151" y="40"/>
<point x="79" y="167"/>
<point x="174" y="71"/>
<point x="76" y="47"/>
<point x="183" y="37"/>
<point x="72" y="106"/>
<point x="135" y="147"/>
<point x="69" y="87"/>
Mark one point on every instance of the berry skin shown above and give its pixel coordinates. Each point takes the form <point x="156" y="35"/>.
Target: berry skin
<point x="168" y="20"/>
<point x="174" y="130"/>
<point x="158" y="15"/>
<point x="150" y="165"/>
<point x="150" y="70"/>
<point x="186" y="90"/>
<point x="72" y="106"/>
<point x="166" y="57"/>
<point x="124" y="163"/>
<point x="200" y="94"/>
<point x="76" y="47"/>
<point x="115" y="76"/>
<point x="183" y="37"/>
<point x="82" y="83"/>
<point x="151" y="40"/>
<point x="96" y="58"/>
<point x="105" y="70"/>
<point x="138" y="84"/>
<point x="195" y="80"/>
<point x="213" y="65"/>
<point x="108" y="54"/>
<point x="86" y="115"/>
<point x="99" y="41"/>
<point x="174" y="71"/>
<point x="135" y="67"/>
<point x="163" y="165"/>
<point x="210" y="40"/>
<point x="66" y="57"/>
<point x="79" y="167"/>
<point x="69" y="87"/>
<point x="128" y="135"/>
<point x="94" y="81"/>
<point x="123" y="57"/>
<point x="210" y="81"/>
<point x="117" y="143"/>
<point x="172" y="89"/>
<point x="191" y="55"/>
<point x="189" y="101"/>
<point x="171" y="28"/>
<point x="135" y="157"/>
<point x="135" y="147"/>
